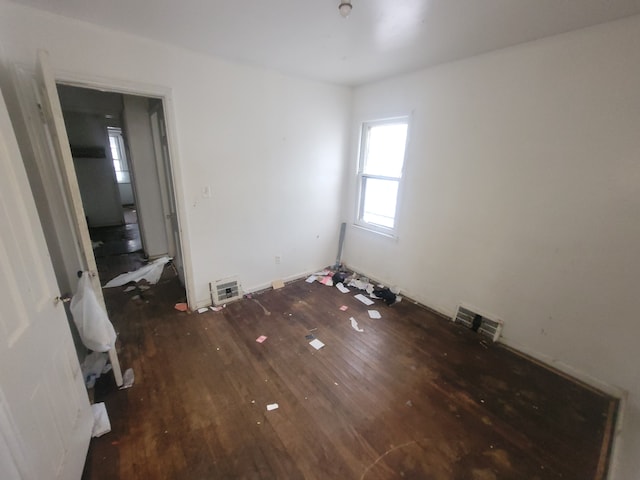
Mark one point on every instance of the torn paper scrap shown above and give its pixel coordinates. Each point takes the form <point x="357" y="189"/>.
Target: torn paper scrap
<point x="344" y="308"/>
<point x="328" y="281"/>
<point x="276" y="284"/>
<point x="261" y="339"/>
<point x="322" y="273"/>
<point x="181" y="307"/>
<point x="127" y="379"/>
<point x="215" y="309"/>
<point x="272" y="406"/>
<point x="150" y="272"/>
<point x="355" y="326"/>
<point x="101" y="424"/>
<point x="360" y="284"/>
<point x="311" y="279"/>
<point x="374" y="314"/>
<point x="342" y="288"/>
<point x="130" y="288"/>
<point x="317" y="344"/>
<point x="364" y="299"/>
<point x="203" y="309"/>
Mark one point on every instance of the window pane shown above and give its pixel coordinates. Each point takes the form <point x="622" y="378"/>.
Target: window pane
<point x="123" y="177"/>
<point x="384" y="154"/>
<point x="115" y="152"/>
<point x="379" y="202"/>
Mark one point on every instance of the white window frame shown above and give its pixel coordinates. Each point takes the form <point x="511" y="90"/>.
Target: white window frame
<point x="116" y="133"/>
<point x="362" y="176"/>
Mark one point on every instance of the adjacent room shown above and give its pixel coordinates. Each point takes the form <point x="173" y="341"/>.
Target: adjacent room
<point x="387" y="239"/>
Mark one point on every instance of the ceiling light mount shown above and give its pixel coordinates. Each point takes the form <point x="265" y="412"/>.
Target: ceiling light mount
<point x="345" y="8"/>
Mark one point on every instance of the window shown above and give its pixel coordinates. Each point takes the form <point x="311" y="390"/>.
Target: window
<point x="382" y="150"/>
<point x="118" y="155"/>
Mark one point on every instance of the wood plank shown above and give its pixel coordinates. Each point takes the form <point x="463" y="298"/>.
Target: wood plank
<point x="412" y="395"/>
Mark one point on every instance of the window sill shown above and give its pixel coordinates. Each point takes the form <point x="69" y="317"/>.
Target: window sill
<point x="382" y="233"/>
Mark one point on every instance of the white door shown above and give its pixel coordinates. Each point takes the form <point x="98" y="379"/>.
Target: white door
<point x="60" y="141"/>
<point x="165" y="177"/>
<point x="45" y="417"/>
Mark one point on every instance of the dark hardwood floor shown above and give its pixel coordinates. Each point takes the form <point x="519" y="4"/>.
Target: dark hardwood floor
<point x="414" y="396"/>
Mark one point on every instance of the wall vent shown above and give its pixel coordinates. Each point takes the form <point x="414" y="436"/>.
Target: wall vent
<point x="483" y="325"/>
<point x="225" y="290"/>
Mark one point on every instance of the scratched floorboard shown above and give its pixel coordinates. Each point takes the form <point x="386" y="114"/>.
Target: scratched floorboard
<point x="413" y="396"/>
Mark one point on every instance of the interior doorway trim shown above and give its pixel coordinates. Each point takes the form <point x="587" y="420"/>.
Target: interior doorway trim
<point x="163" y="93"/>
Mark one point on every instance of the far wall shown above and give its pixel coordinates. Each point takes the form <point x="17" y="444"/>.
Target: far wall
<point x="521" y="199"/>
<point x="258" y="155"/>
<point x="144" y="170"/>
<point x="96" y="177"/>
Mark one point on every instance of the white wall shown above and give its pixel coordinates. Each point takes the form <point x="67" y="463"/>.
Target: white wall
<point x="106" y="104"/>
<point x="126" y="194"/>
<point x="270" y="147"/>
<point x="96" y="177"/>
<point x="143" y="165"/>
<point x="85" y="100"/>
<point x="521" y="198"/>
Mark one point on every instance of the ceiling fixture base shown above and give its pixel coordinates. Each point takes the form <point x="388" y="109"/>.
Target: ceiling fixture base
<point x="345" y="8"/>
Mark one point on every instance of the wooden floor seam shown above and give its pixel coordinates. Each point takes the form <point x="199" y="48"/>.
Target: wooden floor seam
<point x="413" y="396"/>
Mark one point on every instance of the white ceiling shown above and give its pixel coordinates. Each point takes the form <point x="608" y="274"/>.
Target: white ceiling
<point x="309" y="38"/>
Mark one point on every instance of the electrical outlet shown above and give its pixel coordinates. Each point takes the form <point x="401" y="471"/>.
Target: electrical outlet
<point x="278" y="259"/>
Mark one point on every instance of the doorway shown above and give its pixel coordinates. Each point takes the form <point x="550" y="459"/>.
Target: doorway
<point x="124" y="175"/>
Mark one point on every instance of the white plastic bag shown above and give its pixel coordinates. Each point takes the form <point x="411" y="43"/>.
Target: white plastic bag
<point x="150" y="272"/>
<point x="96" y="331"/>
<point x="93" y="366"/>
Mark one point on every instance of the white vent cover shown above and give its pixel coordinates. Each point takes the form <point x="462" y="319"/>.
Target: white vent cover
<point x="225" y="290"/>
<point x="483" y="325"/>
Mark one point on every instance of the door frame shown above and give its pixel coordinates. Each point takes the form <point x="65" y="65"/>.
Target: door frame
<point x="159" y="136"/>
<point x="165" y="94"/>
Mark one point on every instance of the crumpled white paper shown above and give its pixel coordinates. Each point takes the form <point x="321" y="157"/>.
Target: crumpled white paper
<point x="150" y="272"/>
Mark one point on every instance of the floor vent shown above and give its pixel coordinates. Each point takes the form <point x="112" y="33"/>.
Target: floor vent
<point x="487" y="327"/>
<point x="226" y="290"/>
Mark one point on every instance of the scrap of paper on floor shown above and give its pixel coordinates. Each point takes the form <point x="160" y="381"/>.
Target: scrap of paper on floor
<point x="355" y="326"/>
<point x="364" y="299"/>
<point x="374" y="314"/>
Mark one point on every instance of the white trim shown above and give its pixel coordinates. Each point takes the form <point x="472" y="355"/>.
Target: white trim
<point x="123" y="160"/>
<point x="547" y="360"/>
<point x="263" y="286"/>
<point x="561" y="366"/>
<point x="381" y="232"/>
<point x="618" y="438"/>
<point x="166" y="95"/>
<point x="360" y="175"/>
